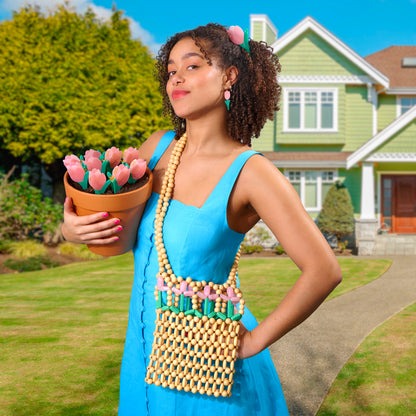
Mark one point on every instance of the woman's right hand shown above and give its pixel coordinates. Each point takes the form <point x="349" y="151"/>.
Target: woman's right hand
<point x="88" y="229"/>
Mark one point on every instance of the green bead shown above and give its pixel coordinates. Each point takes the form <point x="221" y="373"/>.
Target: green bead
<point x="198" y="314"/>
<point x="222" y="316"/>
<point x="174" y="309"/>
<point x="159" y="302"/>
<point x="236" y="317"/>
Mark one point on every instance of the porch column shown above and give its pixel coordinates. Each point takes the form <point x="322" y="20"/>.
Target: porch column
<point x="368" y="211"/>
<point x="366" y="225"/>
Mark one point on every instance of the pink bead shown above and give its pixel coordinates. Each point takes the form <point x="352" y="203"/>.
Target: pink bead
<point x="227" y="95"/>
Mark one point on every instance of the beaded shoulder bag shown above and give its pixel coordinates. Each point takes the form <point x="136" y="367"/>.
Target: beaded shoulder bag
<point x="197" y="326"/>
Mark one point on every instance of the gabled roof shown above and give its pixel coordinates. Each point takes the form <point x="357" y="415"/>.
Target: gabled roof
<point x="380" y="138"/>
<point x="308" y="23"/>
<point x="389" y="62"/>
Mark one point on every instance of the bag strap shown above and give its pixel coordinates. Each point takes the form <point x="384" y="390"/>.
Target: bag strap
<point x="165" y="269"/>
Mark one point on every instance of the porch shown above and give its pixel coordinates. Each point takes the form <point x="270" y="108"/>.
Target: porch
<point x="391" y="244"/>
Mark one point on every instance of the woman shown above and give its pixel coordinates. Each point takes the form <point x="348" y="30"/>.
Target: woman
<point x="220" y="91"/>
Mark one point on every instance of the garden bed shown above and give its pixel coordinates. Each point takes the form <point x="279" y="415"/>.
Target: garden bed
<point x="53" y="255"/>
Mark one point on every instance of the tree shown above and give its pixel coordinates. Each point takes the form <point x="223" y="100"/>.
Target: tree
<point x="70" y="82"/>
<point x="337" y="214"/>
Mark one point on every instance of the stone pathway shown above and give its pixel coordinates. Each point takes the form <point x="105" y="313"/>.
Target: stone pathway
<point x="309" y="358"/>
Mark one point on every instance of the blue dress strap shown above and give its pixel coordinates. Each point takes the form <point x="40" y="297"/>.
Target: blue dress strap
<point x="161" y="147"/>
<point x="222" y="191"/>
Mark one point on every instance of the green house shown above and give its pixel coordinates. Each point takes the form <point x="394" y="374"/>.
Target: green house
<point x="345" y="117"/>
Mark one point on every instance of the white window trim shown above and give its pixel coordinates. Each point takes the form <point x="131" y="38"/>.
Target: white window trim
<point x="319" y="185"/>
<point x="399" y="104"/>
<point x="287" y="129"/>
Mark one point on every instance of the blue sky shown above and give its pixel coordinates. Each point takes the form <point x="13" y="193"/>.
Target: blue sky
<point x="366" y="26"/>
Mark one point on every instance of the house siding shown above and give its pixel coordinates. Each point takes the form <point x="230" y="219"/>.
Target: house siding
<point x="359" y="113"/>
<point x="265" y="142"/>
<point x="403" y="141"/>
<point x="311" y="55"/>
<point x="257" y="31"/>
<point x="270" y="35"/>
<point x="392" y="167"/>
<point x="386" y="112"/>
<point x="352" y="180"/>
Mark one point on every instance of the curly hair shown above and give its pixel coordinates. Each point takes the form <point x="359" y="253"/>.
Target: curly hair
<point x="255" y="94"/>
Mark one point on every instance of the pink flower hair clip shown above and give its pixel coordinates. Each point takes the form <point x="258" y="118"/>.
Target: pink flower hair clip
<point x="239" y="37"/>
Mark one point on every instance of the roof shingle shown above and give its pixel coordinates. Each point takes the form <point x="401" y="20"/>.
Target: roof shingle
<point x="389" y="62"/>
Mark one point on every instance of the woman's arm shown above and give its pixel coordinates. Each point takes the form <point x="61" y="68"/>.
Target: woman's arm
<point x="275" y="201"/>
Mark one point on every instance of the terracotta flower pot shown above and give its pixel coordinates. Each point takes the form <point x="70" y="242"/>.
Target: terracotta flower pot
<point x="128" y="207"/>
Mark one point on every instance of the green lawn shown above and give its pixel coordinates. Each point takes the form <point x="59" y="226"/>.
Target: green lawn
<point x="258" y="275"/>
<point x="380" y="377"/>
<point x="62" y="330"/>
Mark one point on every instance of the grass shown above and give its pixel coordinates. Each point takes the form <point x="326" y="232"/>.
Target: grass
<point x="380" y="377"/>
<point x="62" y="330"/>
<point x="62" y="334"/>
<point x="265" y="282"/>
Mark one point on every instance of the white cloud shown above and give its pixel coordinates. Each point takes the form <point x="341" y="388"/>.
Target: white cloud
<point x="81" y="6"/>
<point x="146" y="37"/>
<point x="44" y="4"/>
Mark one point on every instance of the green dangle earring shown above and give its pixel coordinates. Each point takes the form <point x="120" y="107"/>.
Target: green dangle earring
<point x="227" y="96"/>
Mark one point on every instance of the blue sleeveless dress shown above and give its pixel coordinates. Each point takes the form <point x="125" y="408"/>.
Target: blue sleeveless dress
<point x="199" y="244"/>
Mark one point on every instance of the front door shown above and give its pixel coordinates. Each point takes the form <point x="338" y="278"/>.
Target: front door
<point x="399" y="203"/>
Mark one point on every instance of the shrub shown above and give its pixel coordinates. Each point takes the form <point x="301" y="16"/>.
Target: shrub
<point x="24" y="213"/>
<point x="30" y="264"/>
<point x="247" y="248"/>
<point x="27" y="249"/>
<point x="5" y="246"/>
<point x="279" y="249"/>
<point x="77" y="250"/>
<point x="337" y="214"/>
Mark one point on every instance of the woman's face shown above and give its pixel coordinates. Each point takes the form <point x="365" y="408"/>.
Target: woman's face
<point x="194" y="87"/>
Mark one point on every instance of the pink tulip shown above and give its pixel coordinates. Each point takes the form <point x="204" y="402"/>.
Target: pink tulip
<point x="93" y="163"/>
<point x="113" y="155"/>
<point x="236" y="34"/>
<point x="70" y="160"/>
<point x="182" y="288"/>
<point x="121" y="174"/>
<point x="91" y="153"/>
<point x="160" y="284"/>
<point x="206" y="293"/>
<point x="189" y="292"/>
<point x="231" y="296"/>
<point x="137" y="168"/>
<point x="76" y="172"/>
<point x="97" y="179"/>
<point x="130" y="154"/>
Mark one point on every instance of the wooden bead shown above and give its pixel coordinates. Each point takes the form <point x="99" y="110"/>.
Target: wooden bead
<point x="182" y="339"/>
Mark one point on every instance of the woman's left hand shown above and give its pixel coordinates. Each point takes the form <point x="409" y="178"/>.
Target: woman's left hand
<point x="247" y="345"/>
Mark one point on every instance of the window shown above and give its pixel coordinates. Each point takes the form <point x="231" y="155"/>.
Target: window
<point x="312" y="186"/>
<point x="406" y="104"/>
<point x="310" y="110"/>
